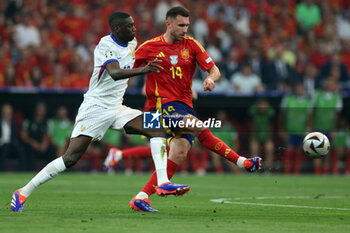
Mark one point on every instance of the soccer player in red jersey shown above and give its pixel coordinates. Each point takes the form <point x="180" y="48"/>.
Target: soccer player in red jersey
<point x="169" y="92"/>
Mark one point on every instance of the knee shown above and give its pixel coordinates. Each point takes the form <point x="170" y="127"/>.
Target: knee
<point x="179" y="157"/>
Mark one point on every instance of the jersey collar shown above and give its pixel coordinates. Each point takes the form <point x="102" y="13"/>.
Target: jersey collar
<point x="115" y="40"/>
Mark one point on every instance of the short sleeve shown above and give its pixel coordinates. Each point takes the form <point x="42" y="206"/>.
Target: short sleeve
<point x="202" y="57"/>
<point x="104" y="54"/>
<point x="140" y="56"/>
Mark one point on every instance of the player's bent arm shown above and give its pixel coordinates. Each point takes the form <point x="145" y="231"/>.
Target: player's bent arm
<point x="214" y="75"/>
<point x="117" y="73"/>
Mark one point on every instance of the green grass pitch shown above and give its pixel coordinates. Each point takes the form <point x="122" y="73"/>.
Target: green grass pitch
<point x="75" y="202"/>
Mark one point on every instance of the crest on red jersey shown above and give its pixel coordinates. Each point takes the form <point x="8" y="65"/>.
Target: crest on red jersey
<point x="173" y="59"/>
<point x="185" y="54"/>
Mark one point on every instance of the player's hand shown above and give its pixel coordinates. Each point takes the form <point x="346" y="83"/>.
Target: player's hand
<point x="153" y="67"/>
<point x="208" y="84"/>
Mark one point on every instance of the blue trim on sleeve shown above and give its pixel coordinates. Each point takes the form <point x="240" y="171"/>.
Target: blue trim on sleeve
<point x="100" y="73"/>
<point x="115" y="40"/>
<point x="109" y="61"/>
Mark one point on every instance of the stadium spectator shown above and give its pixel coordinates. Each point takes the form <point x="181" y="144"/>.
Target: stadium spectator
<point x="160" y="11"/>
<point x="36" y="138"/>
<point x="75" y="22"/>
<point x="343" y="25"/>
<point x="258" y="63"/>
<point x="333" y="65"/>
<point x="246" y="82"/>
<point x="58" y="75"/>
<point x="36" y="78"/>
<point x="294" y="122"/>
<point x="342" y="145"/>
<point x="200" y="27"/>
<point x="26" y="34"/>
<point x="262" y="118"/>
<point x="308" y="14"/>
<point x="319" y="55"/>
<point x="241" y="21"/>
<point x="60" y="128"/>
<point x="24" y="66"/>
<point x="10" y="146"/>
<point x="279" y="70"/>
<point x="232" y="62"/>
<point x="309" y="79"/>
<point x="9" y="76"/>
<point x="327" y="106"/>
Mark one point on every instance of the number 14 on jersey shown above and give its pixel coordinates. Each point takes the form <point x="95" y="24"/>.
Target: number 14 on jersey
<point x="176" y="72"/>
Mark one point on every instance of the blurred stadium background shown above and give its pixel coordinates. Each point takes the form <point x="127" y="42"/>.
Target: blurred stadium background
<point x="293" y="48"/>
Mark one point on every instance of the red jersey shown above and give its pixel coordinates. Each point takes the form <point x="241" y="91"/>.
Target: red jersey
<point x="179" y="60"/>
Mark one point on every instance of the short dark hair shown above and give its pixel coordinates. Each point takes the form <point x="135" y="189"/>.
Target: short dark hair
<point x="177" y="10"/>
<point x="117" y="17"/>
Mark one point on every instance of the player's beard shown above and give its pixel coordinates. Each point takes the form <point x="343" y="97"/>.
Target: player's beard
<point x="177" y="37"/>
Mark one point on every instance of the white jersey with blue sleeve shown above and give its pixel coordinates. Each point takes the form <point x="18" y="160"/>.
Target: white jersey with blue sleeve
<point x="103" y="90"/>
<point x="102" y="107"/>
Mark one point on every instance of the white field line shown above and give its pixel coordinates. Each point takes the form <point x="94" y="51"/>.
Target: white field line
<point x="288" y="197"/>
<point x="228" y="201"/>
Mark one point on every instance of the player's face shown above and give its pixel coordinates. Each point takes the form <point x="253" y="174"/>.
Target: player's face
<point x="178" y="27"/>
<point x="127" y="30"/>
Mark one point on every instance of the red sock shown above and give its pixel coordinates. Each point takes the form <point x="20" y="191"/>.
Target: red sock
<point x="204" y="157"/>
<point x="318" y="170"/>
<point x="139" y="151"/>
<point x="347" y="162"/>
<point x="297" y="161"/>
<point x="218" y="169"/>
<point x="151" y="185"/>
<point x="216" y="145"/>
<point x="193" y="160"/>
<point x="287" y="162"/>
<point x="334" y="162"/>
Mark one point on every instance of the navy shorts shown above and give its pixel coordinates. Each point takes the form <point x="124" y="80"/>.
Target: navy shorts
<point x="172" y="114"/>
<point x="295" y="140"/>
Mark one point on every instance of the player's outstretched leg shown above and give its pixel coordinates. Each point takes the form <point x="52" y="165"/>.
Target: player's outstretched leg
<point x="218" y="146"/>
<point x="115" y="155"/>
<point x="75" y="150"/>
<point x="112" y="159"/>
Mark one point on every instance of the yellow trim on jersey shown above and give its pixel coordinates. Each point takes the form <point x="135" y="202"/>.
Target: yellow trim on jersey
<point x="195" y="41"/>
<point x="151" y="40"/>
<point x="199" y="45"/>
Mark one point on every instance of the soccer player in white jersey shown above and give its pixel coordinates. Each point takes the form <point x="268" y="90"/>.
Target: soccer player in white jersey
<point x="102" y="108"/>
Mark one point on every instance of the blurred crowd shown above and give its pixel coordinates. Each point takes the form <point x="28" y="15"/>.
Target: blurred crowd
<point x="276" y="133"/>
<point x="259" y="45"/>
<point x="300" y="48"/>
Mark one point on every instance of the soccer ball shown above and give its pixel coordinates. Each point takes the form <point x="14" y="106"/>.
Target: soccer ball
<point x="316" y="145"/>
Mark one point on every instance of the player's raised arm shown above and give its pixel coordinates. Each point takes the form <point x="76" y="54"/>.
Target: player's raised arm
<point x="118" y="73"/>
<point x="214" y="75"/>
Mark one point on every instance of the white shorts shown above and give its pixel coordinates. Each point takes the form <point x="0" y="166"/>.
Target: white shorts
<point x="94" y="120"/>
